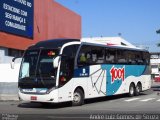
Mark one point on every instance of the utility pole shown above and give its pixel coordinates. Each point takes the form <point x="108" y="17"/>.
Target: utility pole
<point x="158" y="32"/>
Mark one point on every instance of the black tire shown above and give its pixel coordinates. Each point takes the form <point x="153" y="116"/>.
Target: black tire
<point x="131" y="90"/>
<point x="138" y="89"/>
<point x="78" y="98"/>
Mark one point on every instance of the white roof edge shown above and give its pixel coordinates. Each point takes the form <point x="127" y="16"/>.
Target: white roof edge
<point x="114" y="41"/>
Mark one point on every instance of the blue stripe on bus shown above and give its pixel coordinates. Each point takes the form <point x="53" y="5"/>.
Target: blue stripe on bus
<point x="114" y="75"/>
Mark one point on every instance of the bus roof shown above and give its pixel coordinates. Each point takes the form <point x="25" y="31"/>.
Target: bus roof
<point x="50" y="44"/>
<point x="114" y="46"/>
<point x="118" y="41"/>
<point x="58" y="43"/>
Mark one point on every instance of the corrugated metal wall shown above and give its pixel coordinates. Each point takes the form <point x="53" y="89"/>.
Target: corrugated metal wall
<point x="51" y="20"/>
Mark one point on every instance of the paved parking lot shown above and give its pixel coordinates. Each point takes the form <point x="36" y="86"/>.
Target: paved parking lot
<point x="147" y="103"/>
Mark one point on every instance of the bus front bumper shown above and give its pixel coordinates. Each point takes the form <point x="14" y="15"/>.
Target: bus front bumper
<point x="52" y="97"/>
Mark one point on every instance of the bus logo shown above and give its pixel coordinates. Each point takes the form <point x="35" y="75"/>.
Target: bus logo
<point x="117" y="73"/>
<point x="84" y="72"/>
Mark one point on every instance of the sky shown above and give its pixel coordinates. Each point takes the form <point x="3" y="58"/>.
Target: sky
<point x="136" y="20"/>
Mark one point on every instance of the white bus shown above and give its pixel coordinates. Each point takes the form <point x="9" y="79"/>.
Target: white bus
<point x="62" y="70"/>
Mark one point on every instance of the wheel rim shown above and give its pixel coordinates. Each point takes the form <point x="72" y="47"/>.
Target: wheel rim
<point x="138" y="88"/>
<point x="76" y="98"/>
<point x="131" y="90"/>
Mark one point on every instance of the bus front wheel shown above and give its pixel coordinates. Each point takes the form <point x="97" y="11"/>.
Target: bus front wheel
<point x="78" y="98"/>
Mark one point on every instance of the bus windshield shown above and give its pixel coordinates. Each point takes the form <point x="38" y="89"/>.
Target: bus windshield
<point x="37" y="69"/>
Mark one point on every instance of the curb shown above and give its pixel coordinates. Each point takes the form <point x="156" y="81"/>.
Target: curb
<point x="7" y="97"/>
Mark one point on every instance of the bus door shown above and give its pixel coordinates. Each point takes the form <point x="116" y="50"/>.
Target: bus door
<point x="66" y="72"/>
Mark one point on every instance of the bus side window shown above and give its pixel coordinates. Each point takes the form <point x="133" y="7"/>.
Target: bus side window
<point x="84" y="56"/>
<point x="146" y="57"/>
<point x="131" y="57"/>
<point x="139" y="58"/>
<point x="110" y="56"/>
<point x="121" y="58"/>
<point x="91" y="55"/>
<point x="100" y="55"/>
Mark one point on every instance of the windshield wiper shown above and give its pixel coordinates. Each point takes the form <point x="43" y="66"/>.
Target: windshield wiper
<point x="41" y="78"/>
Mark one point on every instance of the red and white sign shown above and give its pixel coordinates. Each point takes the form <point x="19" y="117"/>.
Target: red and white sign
<point x="117" y="73"/>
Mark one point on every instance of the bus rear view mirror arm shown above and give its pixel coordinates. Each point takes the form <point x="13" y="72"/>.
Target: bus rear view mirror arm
<point x="13" y="62"/>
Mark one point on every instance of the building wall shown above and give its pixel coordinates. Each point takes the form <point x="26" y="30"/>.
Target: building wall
<point x="51" y="20"/>
<point x="155" y="63"/>
<point x="8" y="82"/>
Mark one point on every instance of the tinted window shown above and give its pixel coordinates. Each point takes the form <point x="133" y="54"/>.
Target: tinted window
<point x="110" y="56"/>
<point x="122" y="57"/>
<point x="135" y="57"/>
<point x="131" y="57"/>
<point x="91" y="55"/>
<point x="146" y="57"/>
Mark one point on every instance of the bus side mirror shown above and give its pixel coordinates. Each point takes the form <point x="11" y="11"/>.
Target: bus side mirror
<point x="13" y="62"/>
<point x="56" y="61"/>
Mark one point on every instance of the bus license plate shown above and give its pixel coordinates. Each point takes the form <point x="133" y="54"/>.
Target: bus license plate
<point x="33" y="97"/>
